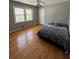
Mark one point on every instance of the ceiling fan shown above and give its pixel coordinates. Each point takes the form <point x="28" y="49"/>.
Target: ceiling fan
<point x="39" y="2"/>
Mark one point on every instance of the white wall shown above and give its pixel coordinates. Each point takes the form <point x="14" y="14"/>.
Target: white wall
<point x="58" y="12"/>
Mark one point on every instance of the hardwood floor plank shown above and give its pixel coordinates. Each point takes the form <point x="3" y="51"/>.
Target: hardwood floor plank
<point x="25" y="44"/>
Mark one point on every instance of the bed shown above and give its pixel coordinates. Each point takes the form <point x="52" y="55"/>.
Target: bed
<point x="56" y="34"/>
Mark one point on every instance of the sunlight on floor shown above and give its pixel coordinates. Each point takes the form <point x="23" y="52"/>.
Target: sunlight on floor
<point x="22" y="39"/>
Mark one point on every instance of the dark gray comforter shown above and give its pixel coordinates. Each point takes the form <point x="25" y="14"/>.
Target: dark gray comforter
<point x="58" y="35"/>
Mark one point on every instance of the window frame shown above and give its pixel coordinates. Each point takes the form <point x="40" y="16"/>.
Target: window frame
<point x="15" y="14"/>
<point x="25" y="18"/>
<point x="26" y="14"/>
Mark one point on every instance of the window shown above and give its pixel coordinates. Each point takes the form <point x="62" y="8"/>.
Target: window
<point x="22" y="15"/>
<point x="29" y="14"/>
<point x="19" y="15"/>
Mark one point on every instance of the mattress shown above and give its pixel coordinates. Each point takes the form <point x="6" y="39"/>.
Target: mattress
<point x="58" y="35"/>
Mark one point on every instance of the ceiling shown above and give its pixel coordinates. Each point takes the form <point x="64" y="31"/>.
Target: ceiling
<point x="47" y="1"/>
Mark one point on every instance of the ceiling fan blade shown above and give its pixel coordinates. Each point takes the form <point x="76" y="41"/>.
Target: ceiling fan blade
<point x="33" y="2"/>
<point x="42" y="2"/>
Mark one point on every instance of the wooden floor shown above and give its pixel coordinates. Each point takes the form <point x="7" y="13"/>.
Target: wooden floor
<point x="25" y="44"/>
